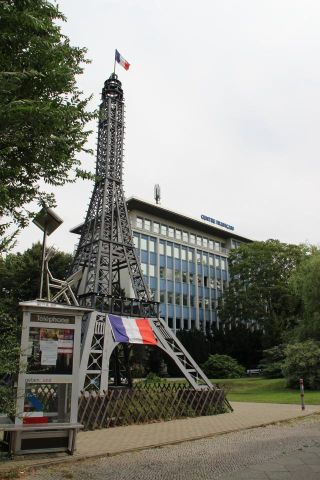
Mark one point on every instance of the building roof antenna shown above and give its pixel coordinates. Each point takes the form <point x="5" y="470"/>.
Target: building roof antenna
<point x="157" y="194"/>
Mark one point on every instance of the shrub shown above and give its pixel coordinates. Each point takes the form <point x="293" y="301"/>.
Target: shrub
<point x="303" y="361"/>
<point x="272" y="362"/>
<point x="222" y="366"/>
<point x="154" y="378"/>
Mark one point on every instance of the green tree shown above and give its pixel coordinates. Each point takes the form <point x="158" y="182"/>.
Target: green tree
<point x="42" y="112"/>
<point x="302" y="361"/>
<point x="9" y="361"/>
<point x="272" y="362"/>
<point x="196" y="342"/>
<point x="306" y="284"/>
<point x="20" y="276"/>
<point x="259" y="290"/>
<point x="240" y="342"/>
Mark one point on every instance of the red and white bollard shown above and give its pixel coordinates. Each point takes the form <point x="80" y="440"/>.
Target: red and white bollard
<point x="302" y="393"/>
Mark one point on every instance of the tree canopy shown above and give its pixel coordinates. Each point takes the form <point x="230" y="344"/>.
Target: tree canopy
<point x="259" y="291"/>
<point x="20" y="276"/>
<point x="305" y="283"/>
<point x="42" y="112"/>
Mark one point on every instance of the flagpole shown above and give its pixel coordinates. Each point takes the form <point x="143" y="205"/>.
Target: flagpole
<point x="114" y="66"/>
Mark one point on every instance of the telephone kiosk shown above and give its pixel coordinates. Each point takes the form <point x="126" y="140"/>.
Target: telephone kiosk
<point x="48" y="382"/>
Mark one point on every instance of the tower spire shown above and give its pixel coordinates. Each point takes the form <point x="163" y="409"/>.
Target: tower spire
<point x="106" y="243"/>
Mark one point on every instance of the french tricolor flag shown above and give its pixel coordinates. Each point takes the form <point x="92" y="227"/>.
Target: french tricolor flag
<point x="122" y="60"/>
<point x="132" y="330"/>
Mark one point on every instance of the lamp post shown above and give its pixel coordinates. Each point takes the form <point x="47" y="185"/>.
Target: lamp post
<point x="48" y="221"/>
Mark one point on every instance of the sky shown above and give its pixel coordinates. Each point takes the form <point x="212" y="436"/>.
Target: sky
<point x="222" y="110"/>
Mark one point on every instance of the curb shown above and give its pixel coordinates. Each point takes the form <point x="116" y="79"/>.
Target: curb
<point x="19" y="465"/>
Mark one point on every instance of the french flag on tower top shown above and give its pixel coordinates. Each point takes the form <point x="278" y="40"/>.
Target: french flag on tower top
<point x="132" y="330"/>
<point x="121" y="60"/>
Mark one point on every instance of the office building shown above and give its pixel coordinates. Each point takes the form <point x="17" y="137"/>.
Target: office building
<point x="184" y="261"/>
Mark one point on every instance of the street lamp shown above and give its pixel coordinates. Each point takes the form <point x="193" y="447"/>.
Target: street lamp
<point x="48" y="222"/>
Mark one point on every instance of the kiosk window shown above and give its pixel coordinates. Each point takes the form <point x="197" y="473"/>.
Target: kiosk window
<point x="47" y="403"/>
<point x="50" y="350"/>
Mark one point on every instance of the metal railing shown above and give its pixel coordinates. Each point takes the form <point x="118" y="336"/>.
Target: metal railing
<point x="130" y="307"/>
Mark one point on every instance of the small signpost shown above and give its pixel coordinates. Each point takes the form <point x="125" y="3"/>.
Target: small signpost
<point x="302" y="393"/>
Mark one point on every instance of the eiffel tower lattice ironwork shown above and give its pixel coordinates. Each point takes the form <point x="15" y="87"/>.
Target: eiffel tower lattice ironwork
<point x="106" y="250"/>
<point x="106" y="243"/>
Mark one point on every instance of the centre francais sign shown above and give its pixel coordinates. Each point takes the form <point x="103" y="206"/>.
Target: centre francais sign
<point x="216" y="222"/>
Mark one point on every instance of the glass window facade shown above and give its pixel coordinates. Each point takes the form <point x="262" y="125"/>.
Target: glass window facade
<point x="185" y="271"/>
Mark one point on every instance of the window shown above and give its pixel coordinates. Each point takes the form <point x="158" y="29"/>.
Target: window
<point x="144" y="268"/>
<point x="162" y="297"/>
<point x="199" y="241"/>
<point x="185" y="236"/>
<point x="169" y="274"/>
<point x="191" y="300"/>
<point x="183" y="254"/>
<point x="192" y="238"/>
<point x="143" y="243"/>
<point x="185" y="299"/>
<point x="171" y="232"/>
<point x="161" y="248"/>
<point x="219" y="284"/>
<point x="152" y="271"/>
<point x="178" y="234"/>
<point x="223" y="264"/>
<point x="176" y="251"/>
<point x="170" y="297"/>
<point x="136" y="240"/>
<point x="217" y="246"/>
<point x="190" y="255"/>
<point x="169" y="249"/>
<point x="177" y="275"/>
<point x="139" y="222"/>
<point x="205" y="259"/>
<point x="178" y="298"/>
<point x="205" y="281"/>
<point x="199" y="280"/>
<point x="163" y="229"/>
<point x="162" y="272"/>
<point x="156" y="227"/>
<point x="147" y="224"/>
<point x="211" y="244"/>
<point x="200" y="302"/>
<point x="205" y="242"/>
<point x="212" y="283"/>
<point x="206" y="302"/>
<point x="211" y="263"/>
<point x="184" y="277"/>
<point x="217" y="262"/>
<point x="198" y="257"/>
<point x="152" y="244"/>
<point x="190" y="277"/>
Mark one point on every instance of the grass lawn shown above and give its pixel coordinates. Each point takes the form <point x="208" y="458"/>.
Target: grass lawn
<point x="264" y="390"/>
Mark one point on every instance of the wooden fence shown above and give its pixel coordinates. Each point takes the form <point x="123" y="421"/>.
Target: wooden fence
<point x="147" y="403"/>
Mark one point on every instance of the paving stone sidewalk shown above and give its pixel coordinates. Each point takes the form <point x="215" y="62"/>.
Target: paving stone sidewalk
<point x="135" y="437"/>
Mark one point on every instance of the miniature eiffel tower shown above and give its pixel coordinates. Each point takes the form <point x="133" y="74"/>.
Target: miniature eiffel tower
<point x="106" y="254"/>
